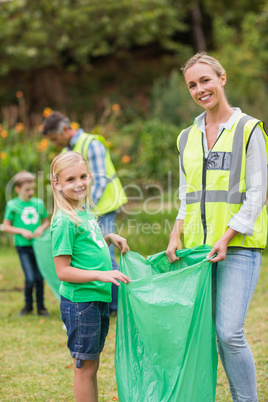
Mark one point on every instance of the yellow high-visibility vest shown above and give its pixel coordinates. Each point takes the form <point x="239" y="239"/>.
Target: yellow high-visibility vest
<point x="114" y="195"/>
<point x="216" y="185"/>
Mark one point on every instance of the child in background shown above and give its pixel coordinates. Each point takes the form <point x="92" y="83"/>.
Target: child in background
<point x="83" y="264"/>
<point x="26" y="217"/>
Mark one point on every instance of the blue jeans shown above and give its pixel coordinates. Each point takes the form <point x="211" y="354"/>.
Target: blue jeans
<point x="107" y="225"/>
<point x="233" y="284"/>
<point x="33" y="277"/>
<point x="87" y="325"/>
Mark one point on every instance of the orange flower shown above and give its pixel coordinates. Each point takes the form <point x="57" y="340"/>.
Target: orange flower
<point x="47" y="111"/>
<point x="126" y="159"/>
<point x="3" y="155"/>
<point x="4" y="134"/>
<point x="43" y="145"/>
<point x="108" y="144"/>
<point x="116" y="107"/>
<point x="75" y="125"/>
<point x="19" y="94"/>
<point x="19" y="127"/>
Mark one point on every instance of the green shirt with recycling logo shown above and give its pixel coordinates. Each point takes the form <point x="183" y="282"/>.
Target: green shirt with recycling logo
<point x="25" y="215"/>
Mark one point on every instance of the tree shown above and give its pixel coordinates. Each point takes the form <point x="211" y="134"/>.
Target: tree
<point x="39" y="40"/>
<point x="42" y="40"/>
<point x="243" y="51"/>
<point x="69" y="33"/>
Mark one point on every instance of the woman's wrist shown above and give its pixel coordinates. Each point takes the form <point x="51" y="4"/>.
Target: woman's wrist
<point x="229" y="235"/>
<point x="177" y="231"/>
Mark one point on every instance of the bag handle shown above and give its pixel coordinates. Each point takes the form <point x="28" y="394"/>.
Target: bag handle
<point x="184" y="252"/>
<point x="187" y="251"/>
<point x="179" y="253"/>
<point x="210" y="258"/>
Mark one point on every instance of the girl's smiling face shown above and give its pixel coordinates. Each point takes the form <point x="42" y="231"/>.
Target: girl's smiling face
<point x="74" y="183"/>
<point x="205" y="86"/>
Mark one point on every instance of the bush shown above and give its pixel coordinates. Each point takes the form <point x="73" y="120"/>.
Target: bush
<point x="147" y="153"/>
<point x="171" y="101"/>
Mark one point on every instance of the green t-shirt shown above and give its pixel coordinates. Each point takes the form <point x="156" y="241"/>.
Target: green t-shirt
<point x="88" y="250"/>
<point x="25" y="215"/>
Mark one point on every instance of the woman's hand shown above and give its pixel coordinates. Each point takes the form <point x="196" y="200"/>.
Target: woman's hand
<point x="113" y="276"/>
<point x="220" y="247"/>
<point x="175" y="241"/>
<point x="117" y="241"/>
<point x="173" y="245"/>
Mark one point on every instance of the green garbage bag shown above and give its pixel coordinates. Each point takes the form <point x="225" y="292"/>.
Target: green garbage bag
<point x="165" y="339"/>
<point x="43" y="253"/>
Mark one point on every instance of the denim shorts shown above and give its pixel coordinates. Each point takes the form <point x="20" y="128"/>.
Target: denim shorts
<point x="87" y="325"/>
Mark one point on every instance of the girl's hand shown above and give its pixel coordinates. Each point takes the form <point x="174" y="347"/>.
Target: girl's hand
<point x="118" y="242"/>
<point x="113" y="276"/>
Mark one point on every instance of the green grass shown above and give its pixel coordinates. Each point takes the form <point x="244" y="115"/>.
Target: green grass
<point x="35" y="363"/>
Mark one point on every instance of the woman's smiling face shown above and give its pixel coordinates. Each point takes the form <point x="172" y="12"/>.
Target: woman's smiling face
<point x="205" y="86"/>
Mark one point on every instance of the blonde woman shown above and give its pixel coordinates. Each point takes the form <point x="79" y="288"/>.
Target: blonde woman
<point x="83" y="264"/>
<point x="223" y="185"/>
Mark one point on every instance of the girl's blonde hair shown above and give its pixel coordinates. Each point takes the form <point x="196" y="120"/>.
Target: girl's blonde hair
<point x="203" y="57"/>
<point x="58" y="165"/>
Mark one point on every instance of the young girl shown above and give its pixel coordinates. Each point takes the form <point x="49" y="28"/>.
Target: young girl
<point x="83" y="264"/>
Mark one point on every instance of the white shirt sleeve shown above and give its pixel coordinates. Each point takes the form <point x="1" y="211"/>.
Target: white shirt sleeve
<point x="256" y="185"/>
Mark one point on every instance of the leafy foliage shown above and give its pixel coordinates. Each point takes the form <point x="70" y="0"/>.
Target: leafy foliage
<point x="152" y="152"/>
<point x="44" y="33"/>
<point x="245" y="57"/>
<point x="171" y="102"/>
<point x="42" y="42"/>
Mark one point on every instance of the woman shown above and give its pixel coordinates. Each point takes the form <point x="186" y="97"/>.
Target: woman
<point x="223" y="184"/>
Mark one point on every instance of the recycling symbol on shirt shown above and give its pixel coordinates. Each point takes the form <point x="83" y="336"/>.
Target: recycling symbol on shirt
<point x="29" y="216"/>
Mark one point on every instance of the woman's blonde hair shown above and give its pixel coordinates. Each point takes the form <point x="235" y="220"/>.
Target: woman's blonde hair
<point x="203" y="57"/>
<point x="58" y="165"/>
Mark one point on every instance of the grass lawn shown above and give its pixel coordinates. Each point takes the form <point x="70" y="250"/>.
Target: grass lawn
<point x="35" y="363"/>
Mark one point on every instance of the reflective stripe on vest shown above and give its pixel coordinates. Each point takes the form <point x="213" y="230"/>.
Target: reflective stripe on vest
<point x="216" y="185"/>
<point x="114" y="195"/>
